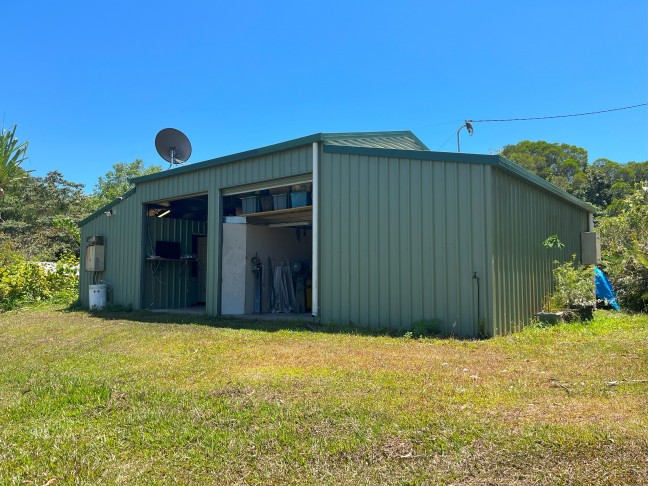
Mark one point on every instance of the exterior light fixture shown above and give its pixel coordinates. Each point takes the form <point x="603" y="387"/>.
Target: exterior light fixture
<point x="162" y="215"/>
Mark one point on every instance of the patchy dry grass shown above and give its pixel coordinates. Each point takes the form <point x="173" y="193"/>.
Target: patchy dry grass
<point x="134" y="397"/>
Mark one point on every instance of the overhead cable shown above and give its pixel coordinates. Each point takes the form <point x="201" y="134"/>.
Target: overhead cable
<point x="559" y="116"/>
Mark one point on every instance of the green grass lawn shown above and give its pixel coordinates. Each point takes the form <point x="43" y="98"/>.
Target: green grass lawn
<point x="144" y="398"/>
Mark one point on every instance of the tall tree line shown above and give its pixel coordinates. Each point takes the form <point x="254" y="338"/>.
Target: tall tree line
<point x="600" y="183"/>
<point x="38" y="215"/>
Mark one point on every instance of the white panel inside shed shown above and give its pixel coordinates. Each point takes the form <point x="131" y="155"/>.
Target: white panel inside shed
<point x="234" y="268"/>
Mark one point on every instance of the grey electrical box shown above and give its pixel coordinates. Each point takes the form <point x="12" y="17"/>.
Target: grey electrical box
<point x="95" y="254"/>
<point x="94" y="240"/>
<point x="590" y="248"/>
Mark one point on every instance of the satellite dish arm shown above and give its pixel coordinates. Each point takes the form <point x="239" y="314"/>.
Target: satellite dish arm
<point x="172" y="153"/>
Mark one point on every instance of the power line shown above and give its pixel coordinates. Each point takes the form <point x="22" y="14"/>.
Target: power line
<point x="559" y="116"/>
<point x="447" y="140"/>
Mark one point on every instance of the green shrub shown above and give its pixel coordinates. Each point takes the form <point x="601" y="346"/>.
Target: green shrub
<point x="425" y="328"/>
<point x="574" y="286"/>
<point x="23" y="282"/>
<point x="624" y="240"/>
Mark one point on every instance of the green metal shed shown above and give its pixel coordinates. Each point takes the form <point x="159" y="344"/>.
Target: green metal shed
<point x="396" y="234"/>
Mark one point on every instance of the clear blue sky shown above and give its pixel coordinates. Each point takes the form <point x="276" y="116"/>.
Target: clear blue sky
<point x="91" y="83"/>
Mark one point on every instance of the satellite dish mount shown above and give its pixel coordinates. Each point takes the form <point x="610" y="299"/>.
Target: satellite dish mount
<point x="173" y="146"/>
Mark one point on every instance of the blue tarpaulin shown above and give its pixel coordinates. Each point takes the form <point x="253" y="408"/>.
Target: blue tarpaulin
<point x="604" y="290"/>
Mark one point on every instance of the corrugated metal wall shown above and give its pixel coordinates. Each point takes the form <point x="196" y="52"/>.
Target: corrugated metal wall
<point x="171" y="284"/>
<point x="523" y="217"/>
<point x="125" y="259"/>
<point x="400" y="240"/>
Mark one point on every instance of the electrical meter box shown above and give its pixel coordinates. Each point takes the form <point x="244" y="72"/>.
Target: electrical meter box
<point x="95" y="254"/>
<point x="590" y="248"/>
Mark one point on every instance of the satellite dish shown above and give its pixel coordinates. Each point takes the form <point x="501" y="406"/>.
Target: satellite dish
<point x="173" y="146"/>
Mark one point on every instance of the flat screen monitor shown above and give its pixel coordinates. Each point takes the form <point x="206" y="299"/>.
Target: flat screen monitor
<point x="168" y="249"/>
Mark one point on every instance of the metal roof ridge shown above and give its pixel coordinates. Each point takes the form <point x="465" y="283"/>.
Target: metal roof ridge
<point x="387" y="133"/>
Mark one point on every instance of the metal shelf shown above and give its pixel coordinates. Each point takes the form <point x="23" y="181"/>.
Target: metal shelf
<point x="156" y="259"/>
<point x="302" y="215"/>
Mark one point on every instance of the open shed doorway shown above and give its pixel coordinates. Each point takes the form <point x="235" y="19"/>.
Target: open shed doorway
<point x="267" y="251"/>
<point x="176" y="254"/>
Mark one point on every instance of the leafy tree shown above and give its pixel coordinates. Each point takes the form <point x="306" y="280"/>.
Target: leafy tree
<point x="562" y="164"/>
<point x="640" y="170"/>
<point x="600" y="183"/>
<point x="116" y="181"/>
<point x="12" y="155"/>
<point x="38" y="216"/>
<point x="599" y="178"/>
<point x="608" y="182"/>
<point x="624" y="238"/>
<point x="36" y="212"/>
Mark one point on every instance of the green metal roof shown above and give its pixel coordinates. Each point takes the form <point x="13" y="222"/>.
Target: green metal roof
<point x="404" y="140"/>
<point x="402" y="144"/>
<point x="384" y="140"/>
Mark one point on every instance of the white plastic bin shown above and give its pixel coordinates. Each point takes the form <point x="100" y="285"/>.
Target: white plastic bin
<point x="98" y="296"/>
